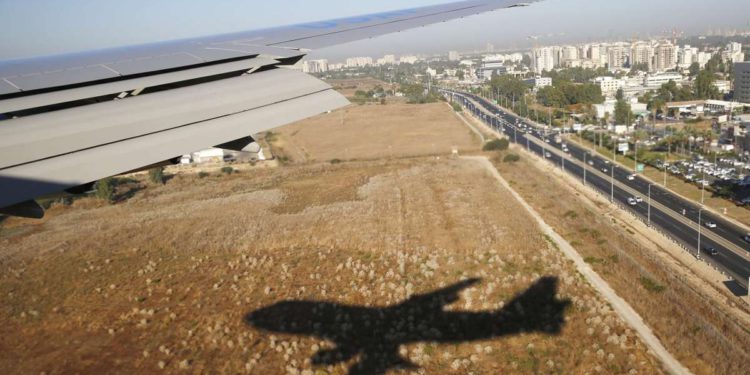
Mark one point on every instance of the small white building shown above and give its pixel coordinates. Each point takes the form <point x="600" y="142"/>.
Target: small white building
<point x="656" y="80"/>
<point x="211" y="155"/>
<point x="609" y="85"/>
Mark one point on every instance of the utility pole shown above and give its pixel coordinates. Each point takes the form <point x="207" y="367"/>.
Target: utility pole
<point x="584" y="168"/>
<point x="700" y="212"/>
<point x="612" y="180"/>
<point x="649" y="204"/>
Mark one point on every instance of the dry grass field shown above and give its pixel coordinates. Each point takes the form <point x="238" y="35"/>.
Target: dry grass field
<point x="348" y="87"/>
<point x="293" y="270"/>
<point x="375" y="131"/>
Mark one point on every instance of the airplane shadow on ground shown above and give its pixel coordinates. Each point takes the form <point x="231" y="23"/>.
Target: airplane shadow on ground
<point x="375" y="334"/>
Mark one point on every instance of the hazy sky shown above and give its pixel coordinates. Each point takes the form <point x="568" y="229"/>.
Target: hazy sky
<point x="42" y="27"/>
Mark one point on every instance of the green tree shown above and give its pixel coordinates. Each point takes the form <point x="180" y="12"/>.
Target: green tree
<point x="695" y="68"/>
<point x="620" y="95"/>
<point x="623" y="113"/>
<point x="460" y="75"/>
<point x="551" y="96"/>
<point x="156" y="175"/>
<point x="104" y="189"/>
<point x="508" y="86"/>
<point x="704" y="86"/>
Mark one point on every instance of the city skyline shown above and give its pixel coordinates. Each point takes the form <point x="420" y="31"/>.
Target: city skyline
<point x="82" y="24"/>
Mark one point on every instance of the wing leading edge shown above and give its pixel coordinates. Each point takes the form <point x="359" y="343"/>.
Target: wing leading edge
<point x="68" y="120"/>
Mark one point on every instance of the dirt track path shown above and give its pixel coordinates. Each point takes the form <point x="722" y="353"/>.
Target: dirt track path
<point x="622" y="308"/>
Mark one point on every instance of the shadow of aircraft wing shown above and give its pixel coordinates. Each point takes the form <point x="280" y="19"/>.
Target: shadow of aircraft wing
<point x="440" y="298"/>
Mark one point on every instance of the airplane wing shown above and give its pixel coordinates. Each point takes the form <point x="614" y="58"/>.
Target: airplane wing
<point x="69" y="120"/>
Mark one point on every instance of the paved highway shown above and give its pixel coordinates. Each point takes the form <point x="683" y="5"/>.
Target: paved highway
<point x="666" y="208"/>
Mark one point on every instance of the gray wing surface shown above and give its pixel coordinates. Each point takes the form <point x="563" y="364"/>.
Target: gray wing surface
<point x="69" y="120"/>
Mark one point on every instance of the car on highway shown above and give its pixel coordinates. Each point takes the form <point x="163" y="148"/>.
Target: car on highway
<point x="639" y="199"/>
<point x="606" y="162"/>
<point x="747" y="237"/>
<point x="710" y="250"/>
<point x="591" y="162"/>
<point x="605" y="170"/>
<point x="632" y="201"/>
<point x="710" y="224"/>
<point x="631" y="177"/>
<point x="547" y="155"/>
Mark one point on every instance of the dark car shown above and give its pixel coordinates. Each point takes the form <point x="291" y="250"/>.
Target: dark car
<point x="710" y="250"/>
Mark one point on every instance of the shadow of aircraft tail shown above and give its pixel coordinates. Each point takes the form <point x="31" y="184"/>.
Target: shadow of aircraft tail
<point x="375" y="334"/>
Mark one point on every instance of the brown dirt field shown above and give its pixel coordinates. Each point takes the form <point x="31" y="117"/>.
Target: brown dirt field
<point x="167" y="278"/>
<point x="374" y="131"/>
<point x="348" y="87"/>
<point x="692" y="326"/>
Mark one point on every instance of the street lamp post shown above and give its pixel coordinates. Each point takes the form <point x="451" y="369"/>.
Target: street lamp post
<point x="584" y="167"/>
<point x="703" y="185"/>
<point x="612" y="180"/>
<point x="700" y="212"/>
<point x="649" y="203"/>
<point x="563" y="161"/>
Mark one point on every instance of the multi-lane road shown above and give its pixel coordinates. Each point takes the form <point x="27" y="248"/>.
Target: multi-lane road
<point x="671" y="214"/>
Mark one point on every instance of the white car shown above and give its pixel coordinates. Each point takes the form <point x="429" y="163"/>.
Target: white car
<point x="710" y="224"/>
<point x="591" y="162"/>
<point x="631" y="177"/>
<point x="606" y="162"/>
<point x="632" y="201"/>
<point x="638" y="199"/>
<point x="547" y="154"/>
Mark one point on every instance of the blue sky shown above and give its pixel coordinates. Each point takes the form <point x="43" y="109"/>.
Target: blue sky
<point x="43" y="27"/>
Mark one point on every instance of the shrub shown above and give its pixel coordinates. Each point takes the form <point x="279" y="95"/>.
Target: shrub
<point x="651" y="285"/>
<point x="227" y="170"/>
<point x="496" y="145"/>
<point x="156" y="175"/>
<point x="511" y="158"/>
<point x="203" y="174"/>
<point x="104" y="189"/>
<point x="457" y="107"/>
<point x="335" y="161"/>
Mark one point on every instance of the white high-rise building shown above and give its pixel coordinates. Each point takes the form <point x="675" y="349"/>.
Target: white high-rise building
<point x="454" y="56"/>
<point x="687" y="56"/>
<point x="733" y="53"/>
<point x="666" y="56"/>
<point x="358" y="62"/>
<point x="409" y="59"/>
<point x="642" y="53"/>
<point x="315" y="66"/>
<point x="702" y="58"/>
<point x="542" y="59"/>
<point x="569" y="53"/>
<point x="386" y="60"/>
<point x="616" y="56"/>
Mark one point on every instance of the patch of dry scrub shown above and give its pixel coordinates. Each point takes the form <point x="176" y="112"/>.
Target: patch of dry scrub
<point x="165" y="280"/>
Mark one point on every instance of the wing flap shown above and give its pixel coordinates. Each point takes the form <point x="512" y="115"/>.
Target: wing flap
<point x="29" y="139"/>
<point x="57" y="173"/>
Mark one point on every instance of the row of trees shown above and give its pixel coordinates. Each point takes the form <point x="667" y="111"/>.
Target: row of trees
<point x="567" y="93"/>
